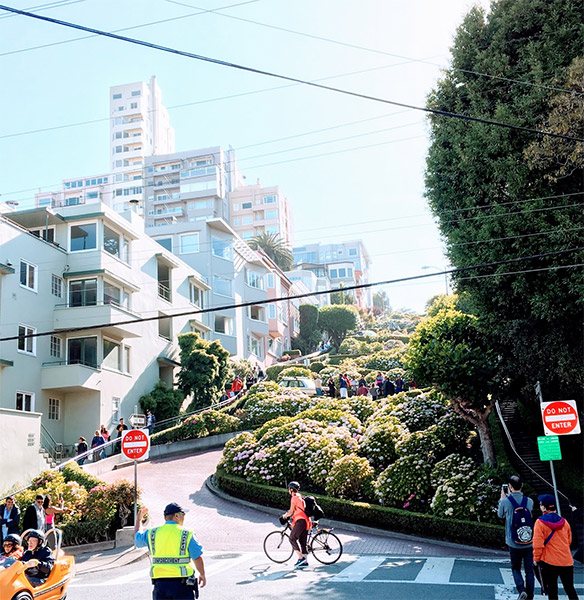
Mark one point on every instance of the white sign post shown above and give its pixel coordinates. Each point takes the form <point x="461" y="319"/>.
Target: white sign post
<point x="135" y="445"/>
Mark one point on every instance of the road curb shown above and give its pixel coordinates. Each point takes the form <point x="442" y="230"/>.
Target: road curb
<point x="127" y="557"/>
<point x="214" y="489"/>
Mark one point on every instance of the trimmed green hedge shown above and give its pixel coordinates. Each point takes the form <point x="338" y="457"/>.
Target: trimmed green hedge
<point x="335" y="359"/>
<point x="393" y="519"/>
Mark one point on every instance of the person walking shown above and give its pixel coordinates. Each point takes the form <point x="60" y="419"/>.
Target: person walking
<point x="514" y="506"/>
<point x="552" y="537"/>
<point x="331" y="387"/>
<point x="81" y="449"/>
<point x="236" y="386"/>
<point x="120" y="428"/>
<point x="97" y="444"/>
<point x="9" y="518"/>
<point x="318" y="385"/>
<point x="150" y="421"/>
<point x="301" y="524"/>
<point x="106" y="436"/>
<point x="34" y="515"/>
<point x="343" y="386"/>
<point x="172" y="551"/>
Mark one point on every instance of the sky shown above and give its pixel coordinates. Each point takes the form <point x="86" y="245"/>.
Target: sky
<point x="351" y="168"/>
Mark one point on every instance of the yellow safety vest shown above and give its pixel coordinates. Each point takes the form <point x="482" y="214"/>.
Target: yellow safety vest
<point x="169" y="550"/>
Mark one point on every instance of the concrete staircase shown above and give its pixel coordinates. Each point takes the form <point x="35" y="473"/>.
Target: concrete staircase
<point x="51" y="464"/>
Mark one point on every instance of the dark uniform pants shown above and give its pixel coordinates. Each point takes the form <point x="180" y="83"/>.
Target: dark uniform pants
<point x="171" y="589"/>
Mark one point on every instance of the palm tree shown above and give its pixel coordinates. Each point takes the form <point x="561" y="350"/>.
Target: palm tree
<point x="275" y="247"/>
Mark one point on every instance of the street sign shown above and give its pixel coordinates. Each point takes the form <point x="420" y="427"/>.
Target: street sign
<point x="135" y="444"/>
<point x="560" y="417"/>
<point x="138" y="420"/>
<point x="549" y="447"/>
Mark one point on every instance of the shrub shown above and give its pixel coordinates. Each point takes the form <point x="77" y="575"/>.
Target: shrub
<point x="383" y="361"/>
<point x="262" y="408"/>
<point x="273" y="424"/>
<point x="163" y="401"/>
<point x="328" y="372"/>
<point x="316" y="366"/>
<point x="236" y="453"/>
<point x="294" y="372"/>
<point x="208" y="422"/>
<point x="447" y="467"/>
<point x="418" y="411"/>
<point x="342" y="436"/>
<point x="423" y="444"/>
<point x="405" y="484"/>
<point x="73" y="472"/>
<point x="379" y="441"/>
<point x="321" y="462"/>
<point x="273" y="372"/>
<point x="338" y="418"/>
<point x="350" y="478"/>
<point x="293" y="353"/>
<point x="453" y="431"/>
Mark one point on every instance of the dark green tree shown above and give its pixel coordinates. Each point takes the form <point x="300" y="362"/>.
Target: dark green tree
<point x="275" y="247"/>
<point x="501" y="194"/>
<point x="450" y="352"/>
<point x="341" y="297"/>
<point x="309" y="330"/>
<point x="204" y="369"/>
<point x="337" y="320"/>
<point x="163" y="401"/>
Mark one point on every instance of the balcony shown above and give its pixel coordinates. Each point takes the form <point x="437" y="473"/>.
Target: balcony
<point x="277" y="328"/>
<point x="171" y="212"/>
<point x="66" y="317"/>
<point x="68" y="377"/>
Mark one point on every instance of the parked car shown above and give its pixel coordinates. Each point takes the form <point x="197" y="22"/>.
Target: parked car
<point x="305" y="384"/>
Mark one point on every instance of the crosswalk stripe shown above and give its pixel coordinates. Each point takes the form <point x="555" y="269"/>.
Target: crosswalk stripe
<point x="435" y="570"/>
<point x="358" y="570"/>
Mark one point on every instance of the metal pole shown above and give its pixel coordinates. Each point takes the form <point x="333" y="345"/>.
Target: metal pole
<point x="135" y="491"/>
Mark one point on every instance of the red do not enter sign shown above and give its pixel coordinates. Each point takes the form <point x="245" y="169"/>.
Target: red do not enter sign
<point x="560" y="417"/>
<point x="135" y="444"/>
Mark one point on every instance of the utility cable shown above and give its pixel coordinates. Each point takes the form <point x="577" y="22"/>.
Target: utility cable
<point x="240" y="67"/>
<point x="263" y="302"/>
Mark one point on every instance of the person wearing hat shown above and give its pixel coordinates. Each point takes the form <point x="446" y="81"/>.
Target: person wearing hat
<point x="551" y="550"/>
<point x="38" y="557"/>
<point x="520" y="552"/>
<point x="173" y="549"/>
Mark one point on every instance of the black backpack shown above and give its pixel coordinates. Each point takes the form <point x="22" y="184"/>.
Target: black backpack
<point x="522" y="522"/>
<point x="312" y="509"/>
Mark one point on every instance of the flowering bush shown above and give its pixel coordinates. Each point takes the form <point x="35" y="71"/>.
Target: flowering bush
<point x="349" y="444"/>
<point x="452" y="465"/>
<point x="333" y="417"/>
<point x="322" y="460"/>
<point x="273" y="424"/>
<point x="208" y="422"/>
<point x="382" y="361"/>
<point x="379" y="440"/>
<point x="294" y="372"/>
<point x="453" y="431"/>
<point x="419" y="411"/>
<point x="350" y="477"/>
<point x="261" y="409"/>
<point x="405" y="484"/>
<point x="423" y="444"/>
<point x="266" y="465"/>
<point x="237" y="452"/>
<point x="274" y="436"/>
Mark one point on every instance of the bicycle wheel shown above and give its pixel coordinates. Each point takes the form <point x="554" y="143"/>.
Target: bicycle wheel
<point x="326" y="547"/>
<point x="277" y="547"/>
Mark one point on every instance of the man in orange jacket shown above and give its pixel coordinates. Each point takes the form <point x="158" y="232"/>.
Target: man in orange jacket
<point x="551" y="550"/>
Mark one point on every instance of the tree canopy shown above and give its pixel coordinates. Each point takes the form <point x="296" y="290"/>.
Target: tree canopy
<point x="275" y="247"/>
<point x="337" y="320"/>
<point x="500" y="194"/>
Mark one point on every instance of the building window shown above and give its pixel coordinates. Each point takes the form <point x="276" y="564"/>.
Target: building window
<point x="54" y="409"/>
<point x="28" y="275"/>
<point x="136" y="93"/>
<point x="111" y="241"/>
<point x="272" y="229"/>
<point x="25" y="401"/>
<point x="126" y="359"/>
<point x="112" y="355"/>
<point x="269" y="199"/>
<point x="133" y="105"/>
<point x="236" y="222"/>
<point x="255" y="280"/>
<point x="55" y="346"/>
<point x="247" y="235"/>
<point x="271" y="280"/>
<point x="342" y="273"/>
<point x="223" y="325"/>
<point x="115" y="409"/>
<point x="272" y="308"/>
<point x="189" y="243"/>
<point x="236" y="206"/>
<point x="83" y="292"/>
<point x="247" y="220"/>
<point x="197" y="296"/>
<point x="255" y="346"/>
<point x="222" y="285"/>
<point x="165" y="243"/>
<point x="333" y="273"/>
<point x="257" y="313"/>
<point x="352" y="251"/>
<point x="270" y="214"/>
<point x="47" y="234"/>
<point x="117" y="96"/>
<point x="221" y="248"/>
<point x="165" y="326"/>
<point x="349" y="272"/>
<point x="82" y="351"/>
<point x="112" y="294"/>
<point x="83" y="237"/>
<point x="27" y="345"/>
<point x="245" y="205"/>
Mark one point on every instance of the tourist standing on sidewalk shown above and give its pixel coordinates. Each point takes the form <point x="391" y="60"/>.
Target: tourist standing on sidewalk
<point x="81" y="449"/>
<point x="34" y="515"/>
<point x="9" y="518"/>
<point x="552" y="537"/>
<point x="172" y="551"/>
<point x="514" y="506"/>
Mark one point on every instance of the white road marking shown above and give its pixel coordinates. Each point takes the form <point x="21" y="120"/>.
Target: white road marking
<point x="507" y="576"/>
<point x="358" y="570"/>
<point x="435" y="570"/>
<point x="224" y="565"/>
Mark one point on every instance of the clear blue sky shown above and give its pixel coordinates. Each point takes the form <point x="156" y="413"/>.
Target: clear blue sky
<point x="361" y="178"/>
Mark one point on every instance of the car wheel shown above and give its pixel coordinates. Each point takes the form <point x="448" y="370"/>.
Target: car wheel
<point x="22" y="596"/>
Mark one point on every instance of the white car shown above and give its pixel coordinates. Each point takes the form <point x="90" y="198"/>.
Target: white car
<point x="304" y="384"/>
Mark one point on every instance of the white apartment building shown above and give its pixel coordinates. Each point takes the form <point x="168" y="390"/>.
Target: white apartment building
<point x="99" y="268"/>
<point x="311" y="283"/>
<point x="139" y="127"/>
<point x="256" y="209"/>
<point x="344" y="263"/>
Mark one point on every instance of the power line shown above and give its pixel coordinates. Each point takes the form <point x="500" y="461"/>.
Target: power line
<point x="294" y="297"/>
<point x="355" y="46"/>
<point x="237" y="66"/>
<point x="48" y="6"/>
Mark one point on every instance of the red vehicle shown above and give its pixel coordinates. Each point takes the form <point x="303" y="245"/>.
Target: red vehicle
<point x="14" y="584"/>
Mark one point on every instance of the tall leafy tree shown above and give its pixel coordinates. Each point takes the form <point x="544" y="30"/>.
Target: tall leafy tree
<point x="309" y="330"/>
<point x="204" y="369"/>
<point x="163" y="401"/>
<point x="337" y="320"/>
<point x="275" y="247"/>
<point x="501" y="194"/>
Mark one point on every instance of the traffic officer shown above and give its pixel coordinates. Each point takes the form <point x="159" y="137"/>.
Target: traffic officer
<point x="172" y="548"/>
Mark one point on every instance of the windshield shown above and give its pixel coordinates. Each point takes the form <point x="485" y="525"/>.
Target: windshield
<point x="6" y="561"/>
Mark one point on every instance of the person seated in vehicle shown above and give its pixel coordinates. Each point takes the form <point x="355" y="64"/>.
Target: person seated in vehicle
<point x="12" y="547"/>
<point x="38" y="557"/>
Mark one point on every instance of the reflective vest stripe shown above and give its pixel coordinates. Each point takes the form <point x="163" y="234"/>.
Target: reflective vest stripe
<point x="171" y="561"/>
<point x="152" y="540"/>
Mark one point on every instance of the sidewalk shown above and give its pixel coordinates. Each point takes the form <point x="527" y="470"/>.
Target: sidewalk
<point x="93" y="561"/>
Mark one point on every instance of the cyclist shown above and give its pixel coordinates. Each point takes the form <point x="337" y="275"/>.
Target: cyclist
<point x="301" y="524"/>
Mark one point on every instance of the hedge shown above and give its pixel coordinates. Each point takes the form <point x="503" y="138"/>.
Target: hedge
<point x="335" y="359"/>
<point x="383" y="517"/>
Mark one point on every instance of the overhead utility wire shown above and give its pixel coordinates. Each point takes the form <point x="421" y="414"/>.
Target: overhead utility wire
<point x="49" y="6"/>
<point x="295" y="296"/>
<point x="373" y="50"/>
<point x="283" y="77"/>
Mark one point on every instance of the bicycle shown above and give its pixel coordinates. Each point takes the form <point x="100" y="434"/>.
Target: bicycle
<point x="325" y="546"/>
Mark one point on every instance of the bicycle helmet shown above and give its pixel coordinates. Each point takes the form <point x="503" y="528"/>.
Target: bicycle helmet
<point x="294" y="485"/>
<point x="13" y="538"/>
<point x="37" y="533"/>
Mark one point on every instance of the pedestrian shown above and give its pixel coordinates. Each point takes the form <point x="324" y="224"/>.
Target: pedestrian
<point x="34" y="515"/>
<point x="260" y="374"/>
<point x="379" y="380"/>
<point x="150" y="421"/>
<point x="301" y="524"/>
<point x="236" y="386"/>
<point x="552" y="537"/>
<point x="388" y="387"/>
<point x="363" y="390"/>
<point x="51" y="511"/>
<point x="249" y="381"/>
<point x="106" y="436"/>
<point x="374" y="391"/>
<point x="81" y="450"/>
<point x="516" y="509"/>
<point x="97" y="444"/>
<point x="172" y="551"/>
<point x="318" y="385"/>
<point x="399" y="385"/>
<point x="9" y="518"/>
<point x="332" y="392"/>
<point x="120" y="428"/>
<point x="343" y="386"/>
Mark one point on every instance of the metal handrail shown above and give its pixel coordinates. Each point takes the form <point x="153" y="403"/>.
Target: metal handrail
<point x="53" y="448"/>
